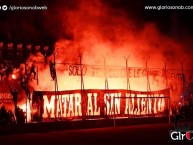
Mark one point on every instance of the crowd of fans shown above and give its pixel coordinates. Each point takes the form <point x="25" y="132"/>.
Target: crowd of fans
<point x="8" y="117"/>
<point x="16" y="116"/>
<point x="6" y="69"/>
<point x="183" y="107"/>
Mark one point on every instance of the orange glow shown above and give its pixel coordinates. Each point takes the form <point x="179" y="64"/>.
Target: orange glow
<point x="103" y="41"/>
<point x="13" y="76"/>
<point x="23" y="107"/>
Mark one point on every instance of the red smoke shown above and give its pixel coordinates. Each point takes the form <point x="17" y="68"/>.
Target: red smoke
<point x="96" y="30"/>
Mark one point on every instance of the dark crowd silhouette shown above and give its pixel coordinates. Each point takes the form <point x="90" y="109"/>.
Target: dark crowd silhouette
<point x="184" y="107"/>
<point x="8" y="117"/>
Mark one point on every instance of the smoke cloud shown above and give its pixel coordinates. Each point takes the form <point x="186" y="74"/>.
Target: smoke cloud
<point x="96" y="31"/>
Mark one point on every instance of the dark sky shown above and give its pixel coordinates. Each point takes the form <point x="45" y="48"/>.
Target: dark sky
<point x="41" y="26"/>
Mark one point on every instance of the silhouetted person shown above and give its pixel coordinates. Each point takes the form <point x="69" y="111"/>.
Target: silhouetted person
<point x="25" y="85"/>
<point x="2" y="71"/>
<point x="17" y="113"/>
<point x="3" y="116"/>
<point x="20" y="116"/>
<point x="52" y="70"/>
<point x="32" y="70"/>
<point x="11" y="117"/>
<point x="14" y="94"/>
<point x="37" y="107"/>
<point x="8" y="68"/>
